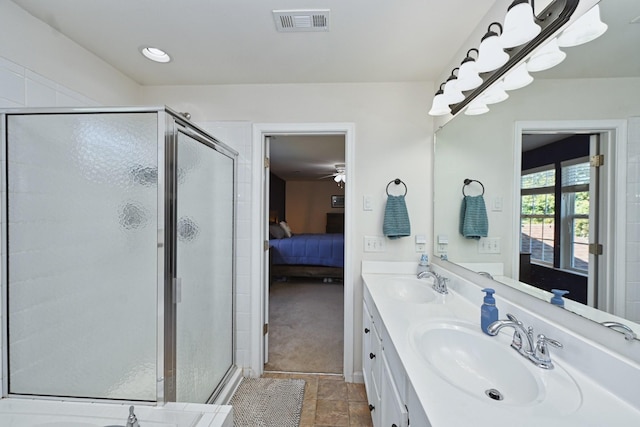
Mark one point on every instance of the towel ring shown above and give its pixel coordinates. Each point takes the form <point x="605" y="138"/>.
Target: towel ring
<point x="468" y="181"/>
<point x="397" y="181"/>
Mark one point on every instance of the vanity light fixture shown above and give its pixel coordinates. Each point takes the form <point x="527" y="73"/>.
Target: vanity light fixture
<point x="493" y="62"/>
<point x="468" y="77"/>
<point x="155" y="54"/>
<point x="494" y="94"/>
<point x="586" y="28"/>
<point x="491" y="54"/>
<point x="452" y="93"/>
<point x="547" y="57"/>
<point x="517" y="78"/>
<point x="439" y="105"/>
<point x="519" y="25"/>
<point x="476" y="107"/>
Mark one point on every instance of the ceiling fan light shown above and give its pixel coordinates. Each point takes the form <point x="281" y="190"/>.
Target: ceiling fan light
<point x="517" y="78"/>
<point x="547" y="57"/>
<point x="491" y="55"/>
<point x="585" y="29"/>
<point x="519" y="25"/>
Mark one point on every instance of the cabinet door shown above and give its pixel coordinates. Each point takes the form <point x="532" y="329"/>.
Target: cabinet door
<point x="371" y="346"/>
<point x="393" y="410"/>
<point x="367" y="326"/>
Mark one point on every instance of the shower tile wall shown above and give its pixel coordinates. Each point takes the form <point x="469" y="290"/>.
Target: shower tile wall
<point x="633" y="221"/>
<point x="237" y="135"/>
<point x="21" y="87"/>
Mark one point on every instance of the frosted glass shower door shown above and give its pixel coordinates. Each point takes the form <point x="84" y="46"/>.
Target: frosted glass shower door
<point x="81" y="213"/>
<point x="204" y="267"/>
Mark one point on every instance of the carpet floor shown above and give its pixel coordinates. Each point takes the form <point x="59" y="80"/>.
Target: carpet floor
<point x="306" y="326"/>
<point x="268" y="402"/>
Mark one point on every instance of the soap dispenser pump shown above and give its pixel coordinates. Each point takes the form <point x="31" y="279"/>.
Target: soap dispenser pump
<point x="557" y="299"/>
<point x="488" y="310"/>
<point x="423" y="265"/>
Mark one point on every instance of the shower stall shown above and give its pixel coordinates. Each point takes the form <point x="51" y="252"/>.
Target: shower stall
<point x="118" y="231"/>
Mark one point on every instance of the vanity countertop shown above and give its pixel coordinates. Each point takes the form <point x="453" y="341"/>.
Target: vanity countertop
<point x="448" y="405"/>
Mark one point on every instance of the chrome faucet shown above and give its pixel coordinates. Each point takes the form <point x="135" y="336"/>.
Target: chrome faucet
<point x="537" y="353"/>
<point x="132" y="420"/>
<point x="629" y="335"/>
<point x="485" y="274"/>
<point x="439" y="282"/>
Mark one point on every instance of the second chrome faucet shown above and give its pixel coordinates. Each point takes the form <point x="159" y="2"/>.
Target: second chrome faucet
<point x="523" y="342"/>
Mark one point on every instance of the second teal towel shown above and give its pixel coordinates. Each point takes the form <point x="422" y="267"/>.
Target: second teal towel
<point x="473" y="218"/>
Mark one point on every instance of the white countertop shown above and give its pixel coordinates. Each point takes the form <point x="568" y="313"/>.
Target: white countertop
<point x="448" y="406"/>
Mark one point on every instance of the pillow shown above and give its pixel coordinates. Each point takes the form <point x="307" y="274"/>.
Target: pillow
<point x="286" y="228"/>
<point x="276" y="231"/>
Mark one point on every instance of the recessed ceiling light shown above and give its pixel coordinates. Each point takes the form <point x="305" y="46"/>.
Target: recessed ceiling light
<point x="155" y="54"/>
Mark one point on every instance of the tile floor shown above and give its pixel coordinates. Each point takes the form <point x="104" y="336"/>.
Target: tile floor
<point x="330" y="402"/>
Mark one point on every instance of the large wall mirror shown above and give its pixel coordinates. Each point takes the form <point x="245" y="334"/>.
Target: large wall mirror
<point x="545" y="203"/>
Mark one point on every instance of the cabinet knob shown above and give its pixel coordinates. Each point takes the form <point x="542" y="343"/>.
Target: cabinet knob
<point x="366" y="330"/>
<point x="371" y="407"/>
<point x="371" y="355"/>
<point x="394" y="425"/>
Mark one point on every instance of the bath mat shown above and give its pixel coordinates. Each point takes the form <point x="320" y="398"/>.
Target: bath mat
<point x="267" y="402"/>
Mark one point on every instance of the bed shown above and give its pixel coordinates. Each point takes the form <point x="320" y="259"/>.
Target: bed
<point x="308" y="255"/>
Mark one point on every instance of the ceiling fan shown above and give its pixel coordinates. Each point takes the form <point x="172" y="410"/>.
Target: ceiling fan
<point x="339" y="176"/>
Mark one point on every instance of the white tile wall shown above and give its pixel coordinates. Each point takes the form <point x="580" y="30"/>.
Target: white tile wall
<point x="237" y="135"/>
<point x="20" y="87"/>
<point x="633" y="221"/>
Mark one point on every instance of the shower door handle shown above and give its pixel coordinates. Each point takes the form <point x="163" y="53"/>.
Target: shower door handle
<point x="177" y="290"/>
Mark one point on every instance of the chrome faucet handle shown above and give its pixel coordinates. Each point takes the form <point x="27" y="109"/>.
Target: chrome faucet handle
<point x="132" y="420"/>
<point x="542" y="356"/>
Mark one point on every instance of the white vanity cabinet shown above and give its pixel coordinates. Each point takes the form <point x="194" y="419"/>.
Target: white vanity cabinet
<point x="384" y="377"/>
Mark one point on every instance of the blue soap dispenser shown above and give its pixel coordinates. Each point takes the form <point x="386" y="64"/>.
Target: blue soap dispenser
<point x="556" y="299"/>
<point x="488" y="310"/>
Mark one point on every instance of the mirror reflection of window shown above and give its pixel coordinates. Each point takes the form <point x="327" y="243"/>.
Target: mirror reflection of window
<point x="537" y="215"/>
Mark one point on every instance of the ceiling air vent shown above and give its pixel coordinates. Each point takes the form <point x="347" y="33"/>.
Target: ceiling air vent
<point x="288" y="21"/>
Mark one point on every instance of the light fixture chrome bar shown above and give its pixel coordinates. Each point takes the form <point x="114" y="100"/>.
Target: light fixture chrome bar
<point x="551" y="19"/>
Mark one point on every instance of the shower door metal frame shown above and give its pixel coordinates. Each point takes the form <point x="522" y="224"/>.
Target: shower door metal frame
<point x="175" y="124"/>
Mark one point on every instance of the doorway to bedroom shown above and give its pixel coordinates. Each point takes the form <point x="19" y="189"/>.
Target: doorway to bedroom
<point x="305" y="299"/>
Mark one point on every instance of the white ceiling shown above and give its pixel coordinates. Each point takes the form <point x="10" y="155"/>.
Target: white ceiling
<point x="236" y="42"/>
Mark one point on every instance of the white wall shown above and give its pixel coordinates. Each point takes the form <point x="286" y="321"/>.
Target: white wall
<point x="393" y="139"/>
<point x="482" y="148"/>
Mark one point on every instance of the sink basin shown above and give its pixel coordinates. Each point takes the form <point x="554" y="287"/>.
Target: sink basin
<point x="412" y="290"/>
<point x="487" y="368"/>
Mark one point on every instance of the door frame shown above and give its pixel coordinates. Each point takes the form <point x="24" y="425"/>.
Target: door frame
<point x="258" y="294"/>
<point x="613" y="212"/>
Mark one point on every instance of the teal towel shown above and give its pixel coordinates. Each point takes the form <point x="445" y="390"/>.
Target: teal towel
<point x="396" y="218"/>
<point x="473" y="218"/>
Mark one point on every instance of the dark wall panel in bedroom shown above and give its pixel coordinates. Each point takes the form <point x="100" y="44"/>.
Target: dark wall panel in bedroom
<point x="277" y="196"/>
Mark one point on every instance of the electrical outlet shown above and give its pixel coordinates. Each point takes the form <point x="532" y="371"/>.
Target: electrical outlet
<point x="374" y="244"/>
<point x="489" y="245"/>
<point x="421" y="247"/>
